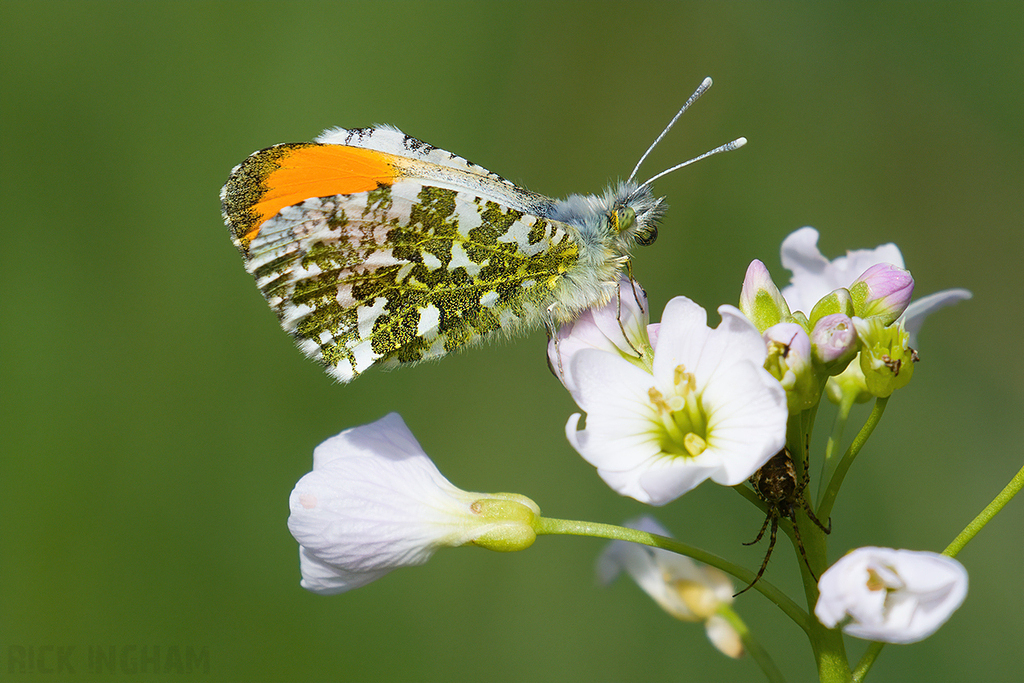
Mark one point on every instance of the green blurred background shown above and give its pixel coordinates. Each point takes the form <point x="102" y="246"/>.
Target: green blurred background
<point x="155" y="417"/>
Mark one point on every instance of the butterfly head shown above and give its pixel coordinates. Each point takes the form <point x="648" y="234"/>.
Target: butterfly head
<point x="635" y="213"/>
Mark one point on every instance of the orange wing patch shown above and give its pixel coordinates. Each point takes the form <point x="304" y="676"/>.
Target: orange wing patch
<point x="289" y="174"/>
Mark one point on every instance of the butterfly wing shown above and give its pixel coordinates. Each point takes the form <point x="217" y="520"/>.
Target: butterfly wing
<point x="370" y="257"/>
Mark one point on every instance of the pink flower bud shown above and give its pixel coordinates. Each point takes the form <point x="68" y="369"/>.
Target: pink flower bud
<point x="834" y="342"/>
<point x="883" y="290"/>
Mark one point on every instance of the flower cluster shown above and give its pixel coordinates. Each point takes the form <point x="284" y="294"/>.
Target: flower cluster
<point x="854" y="308"/>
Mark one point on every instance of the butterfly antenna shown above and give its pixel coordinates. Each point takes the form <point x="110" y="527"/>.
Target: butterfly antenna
<point x="701" y="89"/>
<point x="727" y="147"/>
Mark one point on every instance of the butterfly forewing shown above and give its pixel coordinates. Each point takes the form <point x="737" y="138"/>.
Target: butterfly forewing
<point x="405" y="272"/>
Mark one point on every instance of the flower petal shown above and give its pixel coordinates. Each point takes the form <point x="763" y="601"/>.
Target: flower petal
<point x="681" y="338"/>
<point x="747" y="413"/>
<point x="374" y="502"/>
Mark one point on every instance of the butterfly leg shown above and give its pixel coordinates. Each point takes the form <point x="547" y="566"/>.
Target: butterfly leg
<point x="553" y="336"/>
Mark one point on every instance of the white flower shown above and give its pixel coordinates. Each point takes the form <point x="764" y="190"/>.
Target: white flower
<point x="892" y="596"/>
<point x="602" y="328"/>
<point x="685" y="589"/>
<point x="707" y="410"/>
<point x="814" y="276"/>
<point x="375" y="502"/>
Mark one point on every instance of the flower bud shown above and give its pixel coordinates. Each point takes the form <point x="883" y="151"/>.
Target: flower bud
<point x="789" y="361"/>
<point x="760" y="300"/>
<point x="834" y="342"/>
<point x="886" y="359"/>
<point x="883" y="290"/>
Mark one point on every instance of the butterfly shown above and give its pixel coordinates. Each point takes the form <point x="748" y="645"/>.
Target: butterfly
<point x="374" y="248"/>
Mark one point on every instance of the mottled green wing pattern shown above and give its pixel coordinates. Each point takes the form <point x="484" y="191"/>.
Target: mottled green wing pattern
<point x="406" y="272"/>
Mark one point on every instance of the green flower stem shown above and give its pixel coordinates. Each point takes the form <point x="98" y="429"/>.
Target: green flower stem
<point x="1004" y="497"/>
<point x="835" y="441"/>
<point x="751" y="645"/>
<point x="864" y="665"/>
<point x="827" y="644"/>
<point x="976" y="525"/>
<point x="829" y="499"/>
<point x="749" y="494"/>
<point x="547" y="525"/>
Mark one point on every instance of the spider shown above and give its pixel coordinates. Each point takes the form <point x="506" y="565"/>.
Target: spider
<point x="775" y="483"/>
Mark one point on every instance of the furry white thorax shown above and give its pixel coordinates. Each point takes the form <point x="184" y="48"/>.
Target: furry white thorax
<point x="604" y="251"/>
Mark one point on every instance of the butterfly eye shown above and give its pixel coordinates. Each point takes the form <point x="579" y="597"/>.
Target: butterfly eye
<point x="646" y="237"/>
<point x="622" y="219"/>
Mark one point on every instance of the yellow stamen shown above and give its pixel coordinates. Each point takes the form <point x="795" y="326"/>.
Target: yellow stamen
<point x="658" y="399"/>
<point x="681" y="375"/>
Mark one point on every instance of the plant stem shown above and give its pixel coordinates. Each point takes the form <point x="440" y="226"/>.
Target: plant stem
<point x="864" y="665"/>
<point x="828" y="645"/>
<point x="835" y="441"/>
<point x="1004" y="497"/>
<point x="829" y="499"/>
<point x="547" y="525"/>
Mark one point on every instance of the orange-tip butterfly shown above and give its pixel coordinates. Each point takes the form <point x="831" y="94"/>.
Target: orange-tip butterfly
<point x="376" y="248"/>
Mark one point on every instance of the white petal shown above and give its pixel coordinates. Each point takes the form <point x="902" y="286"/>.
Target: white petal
<point x="859" y="260"/>
<point x="801" y="256"/>
<point x="320" y="577"/>
<point x="814" y="276"/>
<point x="656" y="571"/>
<point x="667" y="478"/>
<point x="681" y="338"/>
<point x="602" y="328"/>
<point x="603" y="377"/>
<point x="735" y="340"/>
<point x="387" y="435"/>
<point x="373" y="502"/>
<point x="747" y="414"/>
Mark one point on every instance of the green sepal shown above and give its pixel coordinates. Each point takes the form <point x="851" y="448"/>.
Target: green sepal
<point x="837" y="301"/>
<point x="513" y="519"/>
